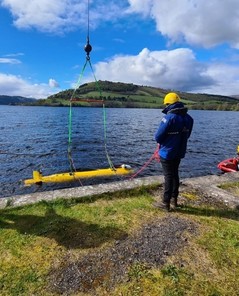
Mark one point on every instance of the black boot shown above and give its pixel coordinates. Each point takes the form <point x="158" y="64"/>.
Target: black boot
<point x="162" y="205"/>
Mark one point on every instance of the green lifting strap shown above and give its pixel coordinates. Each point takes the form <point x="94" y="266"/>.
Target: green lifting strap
<point x="72" y="166"/>
<point x="88" y="49"/>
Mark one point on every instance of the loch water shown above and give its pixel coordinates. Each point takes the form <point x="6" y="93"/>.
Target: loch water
<point x="36" y="138"/>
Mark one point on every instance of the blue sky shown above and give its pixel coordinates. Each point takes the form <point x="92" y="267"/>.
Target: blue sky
<point x="186" y="45"/>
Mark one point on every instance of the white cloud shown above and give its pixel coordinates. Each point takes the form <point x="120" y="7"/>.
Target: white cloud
<point x="196" y="22"/>
<point x="9" y="61"/>
<point x="53" y="83"/>
<point x="140" y="6"/>
<point x="204" y="23"/>
<point x="16" y="86"/>
<point x="226" y="79"/>
<point x="61" y="16"/>
<point x="176" y="69"/>
<point x="14" y="54"/>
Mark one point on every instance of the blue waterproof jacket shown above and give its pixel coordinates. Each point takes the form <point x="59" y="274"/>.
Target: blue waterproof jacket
<point x="174" y="131"/>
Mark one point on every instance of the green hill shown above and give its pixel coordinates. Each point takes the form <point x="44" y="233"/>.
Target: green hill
<point x="128" y="95"/>
<point x="15" y="100"/>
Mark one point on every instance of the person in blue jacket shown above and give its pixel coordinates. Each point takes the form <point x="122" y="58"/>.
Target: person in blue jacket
<point x="172" y="135"/>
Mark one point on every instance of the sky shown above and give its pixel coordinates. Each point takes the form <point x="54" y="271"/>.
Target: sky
<point x="180" y="45"/>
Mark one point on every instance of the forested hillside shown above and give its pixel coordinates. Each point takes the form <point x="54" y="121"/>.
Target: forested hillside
<point x="15" y="100"/>
<point x="128" y="95"/>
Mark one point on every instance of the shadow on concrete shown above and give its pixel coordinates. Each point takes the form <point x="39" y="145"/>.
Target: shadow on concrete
<point x="68" y="232"/>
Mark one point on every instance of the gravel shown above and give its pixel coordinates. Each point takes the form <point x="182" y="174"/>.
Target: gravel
<point x="150" y="246"/>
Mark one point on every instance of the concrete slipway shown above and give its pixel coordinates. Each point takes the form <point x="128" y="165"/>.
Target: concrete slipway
<point x="206" y="184"/>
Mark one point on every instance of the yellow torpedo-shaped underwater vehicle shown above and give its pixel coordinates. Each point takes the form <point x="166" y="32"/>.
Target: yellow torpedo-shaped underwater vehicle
<point x="38" y="178"/>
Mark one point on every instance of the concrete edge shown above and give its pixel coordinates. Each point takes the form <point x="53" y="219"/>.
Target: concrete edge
<point x="207" y="184"/>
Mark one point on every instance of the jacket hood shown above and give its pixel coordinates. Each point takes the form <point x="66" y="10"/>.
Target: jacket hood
<point x="176" y="108"/>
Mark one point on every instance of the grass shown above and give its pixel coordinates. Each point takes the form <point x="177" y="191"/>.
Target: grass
<point x="232" y="187"/>
<point x="37" y="238"/>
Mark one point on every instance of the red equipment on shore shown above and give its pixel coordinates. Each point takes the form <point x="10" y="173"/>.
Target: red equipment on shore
<point x="231" y="164"/>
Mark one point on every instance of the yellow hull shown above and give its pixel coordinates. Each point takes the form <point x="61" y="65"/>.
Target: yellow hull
<point x="71" y="177"/>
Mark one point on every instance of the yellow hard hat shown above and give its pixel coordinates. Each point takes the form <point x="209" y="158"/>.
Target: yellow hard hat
<point x="171" y="98"/>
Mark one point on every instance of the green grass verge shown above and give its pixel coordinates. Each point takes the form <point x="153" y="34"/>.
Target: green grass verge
<point x="232" y="187"/>
<point x="36" y="238"/>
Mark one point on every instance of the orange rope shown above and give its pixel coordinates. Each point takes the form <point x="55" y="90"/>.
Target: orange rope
<point x="154" y="156"/>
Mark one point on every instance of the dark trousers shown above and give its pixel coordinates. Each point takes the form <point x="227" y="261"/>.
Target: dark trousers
<point x="171" y="178"/>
